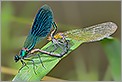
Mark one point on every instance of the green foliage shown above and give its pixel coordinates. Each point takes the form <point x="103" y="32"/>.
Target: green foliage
<point x="6" y="18"/>
<point x="113" y="52"/>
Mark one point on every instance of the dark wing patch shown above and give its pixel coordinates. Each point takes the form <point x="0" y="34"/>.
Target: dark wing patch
<point x="40" y="28"/>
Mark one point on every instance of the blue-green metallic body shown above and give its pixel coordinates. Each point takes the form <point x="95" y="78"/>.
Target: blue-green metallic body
<point x="23" y="53"/>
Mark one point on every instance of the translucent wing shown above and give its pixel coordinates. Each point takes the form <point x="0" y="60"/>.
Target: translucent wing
<point x="40" y="28"/>
<point x="93" y="33"/>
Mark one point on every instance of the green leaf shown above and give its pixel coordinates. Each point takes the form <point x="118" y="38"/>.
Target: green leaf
<point x="113" y="52"/>
<point x="49" y="62"/>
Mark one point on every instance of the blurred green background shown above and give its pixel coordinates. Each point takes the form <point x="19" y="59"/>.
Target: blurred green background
<point x="87" y="62"/>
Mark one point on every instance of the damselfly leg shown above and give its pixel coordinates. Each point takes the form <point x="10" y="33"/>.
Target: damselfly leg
<point x="41" y="61"/>
<point x="34" y="65"/>
<point x="35" y="54"/>
<point x="58" y="42"/>
<point x="23" y="65"/>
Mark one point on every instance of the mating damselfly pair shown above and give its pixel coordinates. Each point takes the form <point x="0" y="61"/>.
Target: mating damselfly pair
<point x="44" y="22"/>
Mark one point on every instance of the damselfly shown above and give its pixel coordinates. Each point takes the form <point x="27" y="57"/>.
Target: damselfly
<point x="40" y="29"/>
<point x="89" y="34"/>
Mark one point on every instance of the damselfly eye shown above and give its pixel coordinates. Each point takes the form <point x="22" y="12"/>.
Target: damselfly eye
<point x="16" y="58"/>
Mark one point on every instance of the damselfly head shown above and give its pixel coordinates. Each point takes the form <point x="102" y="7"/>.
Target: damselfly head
<point x="16" y="58"/>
